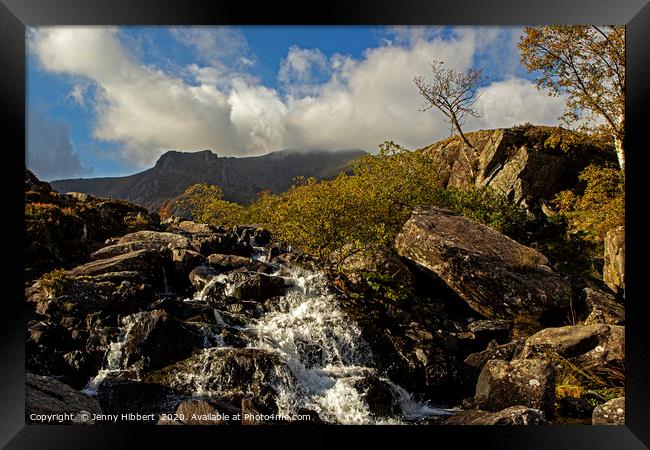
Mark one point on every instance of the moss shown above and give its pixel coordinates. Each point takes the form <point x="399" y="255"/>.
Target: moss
<point x="56" y="282"/>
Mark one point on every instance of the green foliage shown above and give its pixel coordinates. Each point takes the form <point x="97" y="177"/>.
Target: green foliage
<point x="597" y="206"/>
<point x="56" y="281"/>
<point x="558" y="138"/>
<point x="387" y="286"/>
<point x="335" y="219"/>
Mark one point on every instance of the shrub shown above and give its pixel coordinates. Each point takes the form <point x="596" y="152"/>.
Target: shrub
<point x="335" y="219"/>
<point x="597" y="205"/>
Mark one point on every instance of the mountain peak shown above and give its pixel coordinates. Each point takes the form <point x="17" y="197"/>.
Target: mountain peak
<point x="172" y="157"/>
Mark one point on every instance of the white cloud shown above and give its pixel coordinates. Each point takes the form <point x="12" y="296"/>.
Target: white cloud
<point x="332" y="102"/>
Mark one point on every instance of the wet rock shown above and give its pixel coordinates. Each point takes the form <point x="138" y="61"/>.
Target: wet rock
<point x="521" y="382"/>
<point x="117" y="395"/>
<point x="379" y="396"/>
<point x="496" y="276"/>
<point x="590" y="345"/>
<point x="575" y="407"/>
<point x="155" y="339"/>
<point x="214" y="243"/>
<point x="201" y="275"/>
<point x="226" y="263"/>
<point x="514" y="415"/>
<point x="261" y="236"/>
<point x="258" y="287"/>
<point x="184" y="262"/>
<point x="614" y="268"/>
<point x="230" y="374"/>
<point x="111" y="251"/>
<point x="45" y="395"/>
<point x="610" y="413"/>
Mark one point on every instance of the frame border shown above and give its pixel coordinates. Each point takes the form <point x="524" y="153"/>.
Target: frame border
<point x="15" y="15"/>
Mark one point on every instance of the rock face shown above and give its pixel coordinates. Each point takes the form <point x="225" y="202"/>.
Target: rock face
<point x="591" y="345"/>
<point x="495" y="275"/>
<point x="523" y="164"/>
<point x="601" y="307"/>
<point x="525" y="382"/>
<point x="45" y="395"/>
<point x="514" y="415"/>
<point x="610" y="413"/>
<point x="225" y="263"/>
<point x="614" y="269"/>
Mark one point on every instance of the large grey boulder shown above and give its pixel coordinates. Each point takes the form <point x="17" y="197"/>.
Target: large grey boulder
<point x="492" y="273"/>
<point x="601" y="307"/>
<point x="522" y="382"/>
<point x="169" y="240"/>
<point x="584" y="345"/>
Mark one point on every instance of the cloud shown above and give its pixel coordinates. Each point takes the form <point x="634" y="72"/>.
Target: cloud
<point x="333" y="101"/>
<point x="50" y="153"/>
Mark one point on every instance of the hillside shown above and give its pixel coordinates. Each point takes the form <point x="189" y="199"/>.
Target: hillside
<point x="241" y="179"/>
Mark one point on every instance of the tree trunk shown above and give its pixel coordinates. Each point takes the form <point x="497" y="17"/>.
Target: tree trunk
<point x="467" y="143"/>
<point x="620" y="153"/>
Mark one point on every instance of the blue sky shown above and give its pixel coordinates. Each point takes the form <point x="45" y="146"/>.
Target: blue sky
<point x="109" y="101"/>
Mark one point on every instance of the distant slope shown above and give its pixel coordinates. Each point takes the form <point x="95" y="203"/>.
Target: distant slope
<point x="241" y="179"/>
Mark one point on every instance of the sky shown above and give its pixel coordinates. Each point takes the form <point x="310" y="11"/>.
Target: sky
<point x="108" y="101"/>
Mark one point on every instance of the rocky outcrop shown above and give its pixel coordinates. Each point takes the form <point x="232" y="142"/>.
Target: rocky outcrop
<point x="514" y="415"/>
<point x="62" y="230"/>
<point x="600" y="306"/>
<point x="614" y="268"/>
<point x="610" y="413"/>
<point x="526" y="163"/>
<point x="495" y="275"/>
<point x="584" y="345"/>
<point x="45" y="396"/>
<point x="524" y="382"/>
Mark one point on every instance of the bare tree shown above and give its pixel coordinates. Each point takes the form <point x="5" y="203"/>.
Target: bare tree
<point x="454" y="94"/>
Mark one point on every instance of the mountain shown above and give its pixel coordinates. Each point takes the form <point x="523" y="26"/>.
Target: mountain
<point x="241" y="179"/>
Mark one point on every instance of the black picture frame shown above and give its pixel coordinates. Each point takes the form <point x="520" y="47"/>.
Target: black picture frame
<point x="15" y="15"/>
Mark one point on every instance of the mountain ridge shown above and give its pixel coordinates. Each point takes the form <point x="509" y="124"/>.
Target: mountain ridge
<point x="241" y="179"/>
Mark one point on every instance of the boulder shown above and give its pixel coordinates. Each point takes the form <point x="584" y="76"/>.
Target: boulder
<point x="169" y="240"/>
<point x="149" y="263"/>
<point x="45" y="395"/>
<point x="503" y="352"/>
<point x="193" y="227"/>
<point x="121" y="249"/>
<point x="184" y="262"/>
<point x="226" y="263"/>
<point x="614" y="268"/>
<point x="258" y="287"/>
<point x="201" y="275"/>
<point x="610" y="413"/>
<point x="600" y="306"/>
<point x="214" y="243"/>
<point x="378" y="396"/>
<point x="514" y="415"/>
<point x="589" y="345"/>
<point x="375" y="261"/>
<point x="230" y="374"/>
<point x="521" y="382"/>
<point x="155" y="339"/>
<point x="493" y="274"/>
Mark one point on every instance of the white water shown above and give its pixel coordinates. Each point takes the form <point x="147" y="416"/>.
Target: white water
<point x="309" y="314"/>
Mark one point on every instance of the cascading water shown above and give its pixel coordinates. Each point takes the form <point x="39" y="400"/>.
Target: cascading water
<point x="322" y="348"/>
<point x="325" y="352"/>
